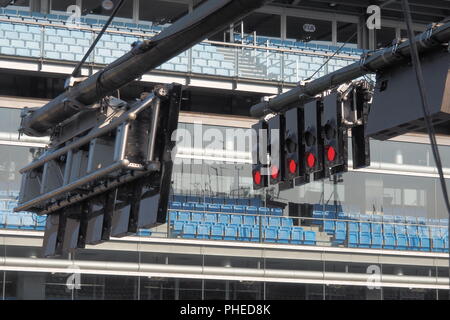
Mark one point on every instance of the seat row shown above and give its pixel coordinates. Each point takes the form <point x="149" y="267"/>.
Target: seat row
<point x="297" y="45"/>
<point x="256" y="202"/>
<point x="26" y="221"/>
<point x="211" y="207"/>
<point x="235" y="219"/>
<point x="219" y="231"/>
<point x="394" y="241"/>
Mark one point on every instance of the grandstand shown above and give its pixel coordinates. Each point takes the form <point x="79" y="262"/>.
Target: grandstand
<point x="223" y="240"/>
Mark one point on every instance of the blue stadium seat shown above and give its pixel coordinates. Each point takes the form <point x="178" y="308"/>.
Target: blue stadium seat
<point x="284" y="235"/>
<point x="274" y="221"/>
<point x="421" y="220"/>
<point x="200" y="207"/>
<point x="188" y="206"/>
<point x="340" y="236"/>
<point x="365" y="218"/>
<point x="177" y="228"/>
<point x="310" y="237"/>
<point x="341" y="226"/>
<point x="270" y="234"/>
<point x="376" y="227"/>
<point x="249" y="220"/>
<point x="423" y="231"/>
<point x="287" y="222"/>
<point x="413" y="242"/>
<point x="353" y="227"/>
<point x="236" y="219"/>
<point x="400" y="229"/>
<point x="28" y="221"/>
<point x="212" y="207"/>
<point x="223" y="218"/>
<point x="377" y="240"/>
<point x="243" y="202"/>
<point x="377" y="218"/>
<point x="239" y="209"/>
<point x="318" y="215"/>
<point x="230" y="232"/>
<point x="252" y="210"/>
<point x="13" y="221"/>
<point x="411" y="230"/>
<point x="255" y="234"/>
<point x="425" y="243"/>
<point x="297" y="235"/>
<point x="399" y="219"/>
<point x="217" y="231"/>
<point x="144" y="233"/>
<point x="329" y="226"/>
<point x="203" y="231"/>
<point x="402" y="241"/>
<point x="388" y="228"/>
<point x="411" y="220"/>
<point x="389" y="241"/>
<point x="226" y="208"/>
<point x="193" y="200"/>
<point x="175" y="205"/>
<point x="197" y="217"/>
<point x="189" y="231"/>
<point x="2" y="219"/>
<point x="388" y="219"/>
<point x="173" y="216"/>
<point x="277" y="211"/>
<point x="184" y="216"/>
<point x="364" y="240"/>
<point x="244" y="233"/>
<point x="264" y="211"/>
<point x="364" y="227"/>
<point x="438" y="244"/>
<point x="210" y="218"/>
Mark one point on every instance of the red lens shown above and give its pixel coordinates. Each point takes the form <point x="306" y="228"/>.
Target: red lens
<point x="310" y="160"/>
<point x="331" y="153"/>
<point x="274" y="172"/>
<point x="257" y="177"/>
<point x="292" y="166"/>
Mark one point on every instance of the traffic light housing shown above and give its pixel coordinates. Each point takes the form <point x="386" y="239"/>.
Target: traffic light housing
<point x="259" y="155"/>
<point x="312" y="139"/>
<point x="276" y="149"/>
<point x="293" y="145"/>
<point x="334" y="135"/>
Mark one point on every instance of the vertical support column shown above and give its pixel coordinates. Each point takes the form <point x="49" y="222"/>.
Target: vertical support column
<point x="283" y="27"/>
<point x="135" y="11"/>
<point x="334" y="32"/>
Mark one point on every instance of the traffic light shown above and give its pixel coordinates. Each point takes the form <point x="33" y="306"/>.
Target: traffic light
<point x="334" y="135"/>
<point x="360" y="140"/>
<point x="312" y="139"/>
<point x="293" y="146"/>
<point x="259" y="155"/>
<point x="276" y="148"/>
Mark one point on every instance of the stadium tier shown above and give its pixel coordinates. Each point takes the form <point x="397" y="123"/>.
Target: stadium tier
<point x="40" y="36"/>
<point x="223" y="219"/>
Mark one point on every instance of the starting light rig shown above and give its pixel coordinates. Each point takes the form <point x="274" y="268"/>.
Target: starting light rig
<point x="309" y="141"/>
<point x="107" y="172"/>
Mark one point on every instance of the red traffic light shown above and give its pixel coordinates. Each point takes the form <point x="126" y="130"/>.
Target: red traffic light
<point x="310" y="160"/>
<point x="257" y="177"/>
<point x="331" y="153"/>
<point x="292" y="166"/>
<point x="274" y="172"/>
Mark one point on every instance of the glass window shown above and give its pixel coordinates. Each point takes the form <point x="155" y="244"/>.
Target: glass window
<point x="105" y="7"/>
<point x="384" y="37"/>
<point x="347" y="33"/>
<point x="268" y="25"/>
<point x="161" y="12"/>
<point x="62" y="5"/>
<point x="308" y="30"/>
